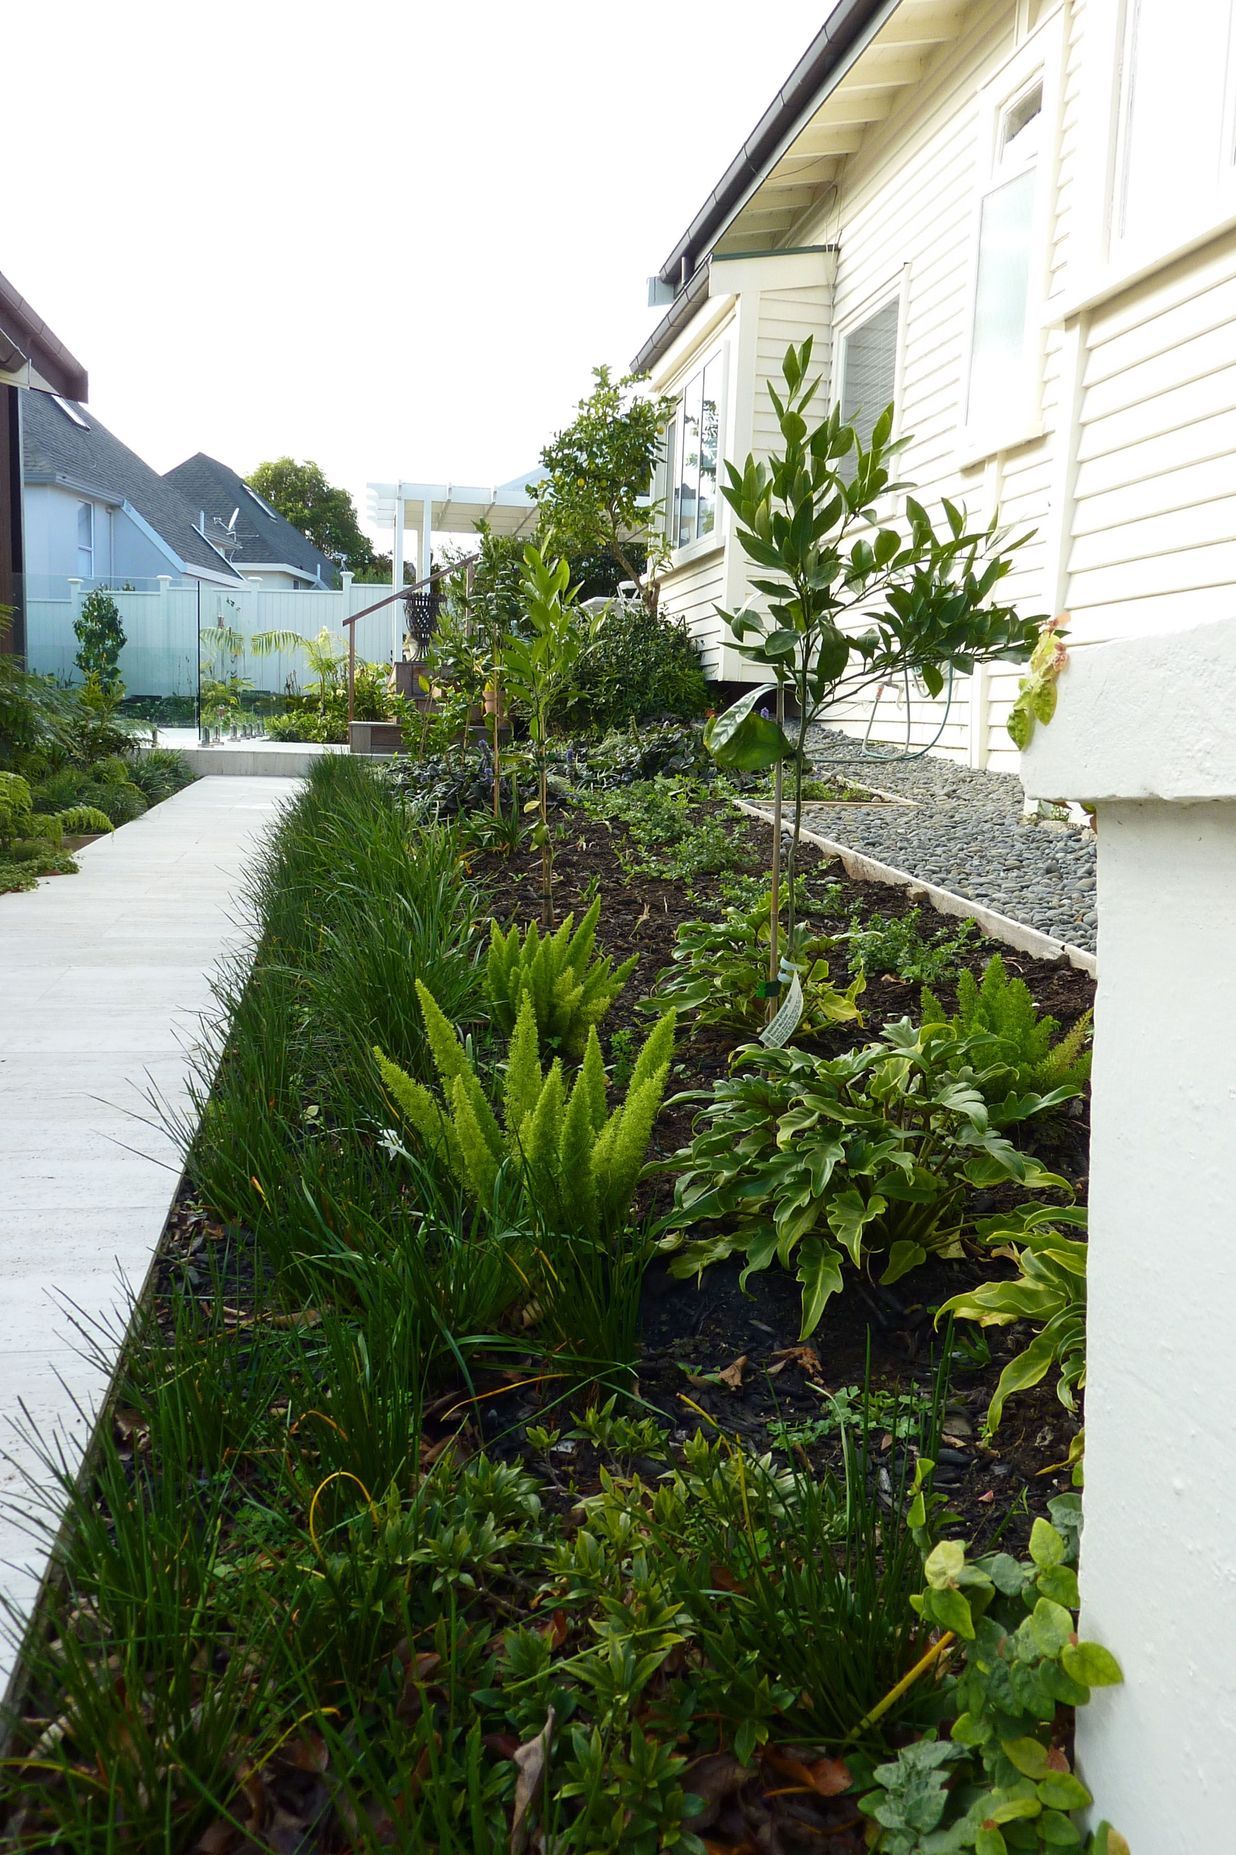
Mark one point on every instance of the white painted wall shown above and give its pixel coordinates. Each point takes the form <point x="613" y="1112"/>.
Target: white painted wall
<point x="1144" y="730"/>
<point x="122" y="550"/>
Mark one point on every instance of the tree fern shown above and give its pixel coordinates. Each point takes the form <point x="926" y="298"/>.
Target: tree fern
<point x="571" y="988"/>
<point x="569" y="1157"/>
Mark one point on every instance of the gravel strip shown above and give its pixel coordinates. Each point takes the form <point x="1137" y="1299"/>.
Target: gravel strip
<point x="964" y="833"/>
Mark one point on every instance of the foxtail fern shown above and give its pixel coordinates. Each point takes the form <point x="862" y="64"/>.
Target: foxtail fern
<point x="1026" y="1041"/>
<point x="573" y="1158"/>
<point x="571" y="988"/>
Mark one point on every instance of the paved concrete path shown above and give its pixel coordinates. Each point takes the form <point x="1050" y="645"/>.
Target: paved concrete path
<point x="104" y="976"/>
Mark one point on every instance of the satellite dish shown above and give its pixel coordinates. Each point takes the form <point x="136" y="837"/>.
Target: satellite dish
<point x="232" y="518"/>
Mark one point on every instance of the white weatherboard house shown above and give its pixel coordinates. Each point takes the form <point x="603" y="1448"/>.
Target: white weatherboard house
<point x="1017" y="219"/>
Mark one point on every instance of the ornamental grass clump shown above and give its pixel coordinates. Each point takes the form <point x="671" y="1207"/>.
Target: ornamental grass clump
<point x="571" y="987"/>
<point x="866" y="1157"/>
<point x="571" y="1160"/>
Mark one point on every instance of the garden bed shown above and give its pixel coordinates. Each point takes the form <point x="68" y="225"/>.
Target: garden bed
<point x="412" y="1529"/>
<point x="691" y="1332"/>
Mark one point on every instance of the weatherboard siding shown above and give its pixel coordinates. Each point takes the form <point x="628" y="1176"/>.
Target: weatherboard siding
<point x="1153" y="529"/>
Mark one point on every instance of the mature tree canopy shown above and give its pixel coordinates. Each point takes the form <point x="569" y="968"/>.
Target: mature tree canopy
<point x="326" y="514"/>
<point x="594" y="498"/>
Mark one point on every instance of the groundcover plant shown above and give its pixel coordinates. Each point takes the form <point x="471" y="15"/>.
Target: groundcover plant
<point x="432" y="1513"/>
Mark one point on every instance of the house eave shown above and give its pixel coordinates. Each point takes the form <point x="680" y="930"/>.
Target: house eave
<point x="823" y="66"/>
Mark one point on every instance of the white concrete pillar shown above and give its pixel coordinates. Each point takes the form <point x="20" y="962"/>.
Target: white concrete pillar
<point x="426" y="539"/>
<point x="397" y="541"/>
<point x="1146" y="730"/>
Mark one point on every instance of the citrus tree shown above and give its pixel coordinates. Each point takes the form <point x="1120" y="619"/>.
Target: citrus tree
<point x="849" y="594"/>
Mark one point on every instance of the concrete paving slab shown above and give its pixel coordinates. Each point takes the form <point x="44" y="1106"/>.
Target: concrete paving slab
<point x="107" y="975"/>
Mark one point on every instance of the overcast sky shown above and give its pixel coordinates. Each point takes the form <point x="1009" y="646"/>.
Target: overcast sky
<point x="390" y="236"/>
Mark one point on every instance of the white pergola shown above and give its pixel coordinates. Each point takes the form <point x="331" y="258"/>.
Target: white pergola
<point x="429" y="509"/>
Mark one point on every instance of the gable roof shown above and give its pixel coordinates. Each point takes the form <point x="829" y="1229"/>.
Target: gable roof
<point x="265" y="538"/>
<point x="86" y="456"/>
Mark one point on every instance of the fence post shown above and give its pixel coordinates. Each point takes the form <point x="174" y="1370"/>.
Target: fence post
<point x="75" y="607"/>
<point x="1144" y="732"/>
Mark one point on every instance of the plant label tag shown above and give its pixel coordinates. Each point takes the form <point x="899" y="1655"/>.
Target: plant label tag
<point x="783" y="1026"/>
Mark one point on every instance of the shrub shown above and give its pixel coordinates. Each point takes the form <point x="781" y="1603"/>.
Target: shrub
<point x="159" y="773"/>
<point x="720" y="966"/>
<point x="1049" y="1291"/>
<point x="1003" y="1009"/>
<point x="100" y="640"/>
<point x="621" y="758"/>
<point x="678" y="842"/>
<point x="639" y="667"/>
<point x="865" y="1156"/>
<point x="571" y="990"/>
<point x="30" y="840"/>
<point x="574" y="1160"/>
<point x="898" y="945"/>
<point x="1002" y="1780"/>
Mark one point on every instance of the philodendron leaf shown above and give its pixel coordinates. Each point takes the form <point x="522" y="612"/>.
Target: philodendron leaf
<point x="744" y="739"/>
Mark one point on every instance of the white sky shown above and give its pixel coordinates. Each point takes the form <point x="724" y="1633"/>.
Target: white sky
<point x="390" y="236"/>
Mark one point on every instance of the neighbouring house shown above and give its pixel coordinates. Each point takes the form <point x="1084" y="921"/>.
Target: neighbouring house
<point x="257" y="540"/>
<point x="96" y="513"/>
<point x="1017" y="220"/>
<point x="30" y="357"/>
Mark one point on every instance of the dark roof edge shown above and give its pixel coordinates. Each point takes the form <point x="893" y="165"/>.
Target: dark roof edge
<point x="688" y="301"/>
<point x="844" y="25"/>
<point x="51" y="359"/>
<point x="675" y="319"/>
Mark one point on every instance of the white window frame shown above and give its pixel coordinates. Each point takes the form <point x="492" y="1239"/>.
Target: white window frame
<point x="663" y="488"/>
<point x="1018" y="420"/>
<point x="895" y="289"/>
<point x="85" y="548"/>
<point x="1201" y="208"/>
<point x="1103" y="262"/>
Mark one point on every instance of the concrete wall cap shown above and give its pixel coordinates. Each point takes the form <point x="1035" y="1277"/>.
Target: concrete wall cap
<point x="1142" y="718"/>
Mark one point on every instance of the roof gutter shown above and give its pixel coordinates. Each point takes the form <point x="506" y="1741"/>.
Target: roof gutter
<point x="825" y="58"/>
<point x="25" y="336"/>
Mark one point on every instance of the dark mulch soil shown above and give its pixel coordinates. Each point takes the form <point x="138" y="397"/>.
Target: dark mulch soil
<point x="693" y="1330"/>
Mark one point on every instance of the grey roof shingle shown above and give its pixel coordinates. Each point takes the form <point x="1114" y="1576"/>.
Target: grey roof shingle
<point x="91" y="457"/>
<point x="265" y="538"/>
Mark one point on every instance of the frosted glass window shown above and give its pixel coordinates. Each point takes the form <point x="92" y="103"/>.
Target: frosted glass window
<point x="1002" y="292"/>
<point x="1176" y="139"/>
<point x="1000" y="344"/>
<point x="869" y="368"/>
<point x="868" y="375"/>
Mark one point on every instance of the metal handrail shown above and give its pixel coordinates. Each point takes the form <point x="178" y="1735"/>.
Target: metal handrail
<point x="402" y="592"/>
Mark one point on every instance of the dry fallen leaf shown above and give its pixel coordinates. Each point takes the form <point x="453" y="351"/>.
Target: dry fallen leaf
<point x="732" y="1375"/>
<point x="531" y="1759"/>
<point x="805" y="1357"/>
<point x="827" y="1777"/>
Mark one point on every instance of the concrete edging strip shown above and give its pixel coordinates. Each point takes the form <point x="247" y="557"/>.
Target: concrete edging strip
<point x="999" y="927"/>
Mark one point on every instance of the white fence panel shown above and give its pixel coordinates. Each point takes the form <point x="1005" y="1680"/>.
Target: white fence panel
<point x="161" y="620"/>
